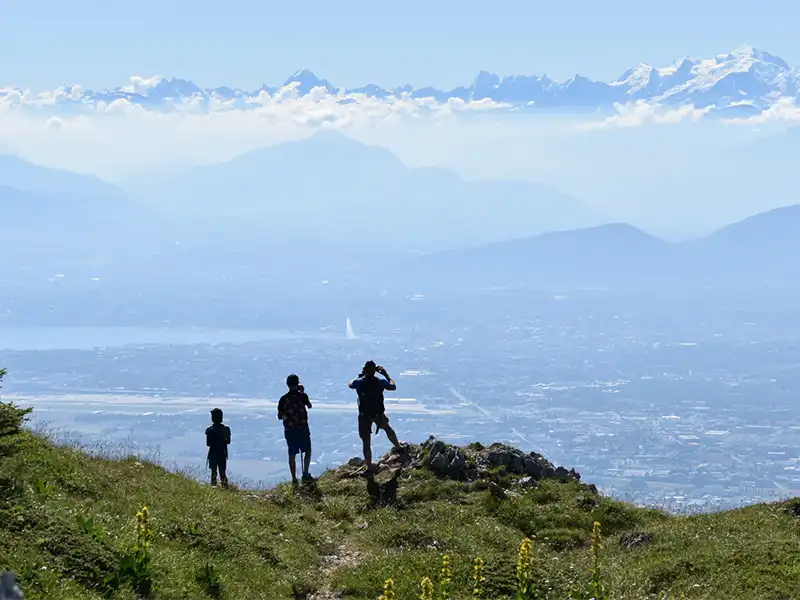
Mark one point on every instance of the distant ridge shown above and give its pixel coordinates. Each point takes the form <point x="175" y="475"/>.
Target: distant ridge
<point x="739" y="83"/>
<point x="761" y="248"/>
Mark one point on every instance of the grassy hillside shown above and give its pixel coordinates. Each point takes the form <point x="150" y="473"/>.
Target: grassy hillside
<point x="69" y="529"/>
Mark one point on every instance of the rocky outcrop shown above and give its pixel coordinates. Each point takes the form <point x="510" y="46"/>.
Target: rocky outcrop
<point x="498" y="468"/>
<point x="9" y="590"/>
<point x="476" y="461"/>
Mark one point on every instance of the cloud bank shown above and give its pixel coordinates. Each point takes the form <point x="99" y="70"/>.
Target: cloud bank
<point x="156" y="124"/>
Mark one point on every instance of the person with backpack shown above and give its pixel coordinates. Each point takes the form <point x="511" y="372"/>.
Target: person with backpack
<point x="371" y="409"/>
<point x="292" y="411"/>
<point x="218" y="437"/>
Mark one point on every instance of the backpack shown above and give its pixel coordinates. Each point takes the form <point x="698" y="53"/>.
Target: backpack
<point x="370" y="397"/>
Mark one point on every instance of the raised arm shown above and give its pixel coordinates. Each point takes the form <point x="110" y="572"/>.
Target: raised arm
<point x="389" y="385"/>
<point x="354" y="384"/>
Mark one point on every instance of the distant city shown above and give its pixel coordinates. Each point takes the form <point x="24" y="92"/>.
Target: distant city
<point x="681" y="405"/>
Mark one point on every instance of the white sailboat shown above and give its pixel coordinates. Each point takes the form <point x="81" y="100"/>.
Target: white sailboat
<point x="348" y="332"/>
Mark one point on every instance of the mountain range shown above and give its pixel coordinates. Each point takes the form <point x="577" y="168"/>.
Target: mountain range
<point x="274" y="223"/>
<point x="329" y="188"/>
<point x="762" y="250"/>
<point x="738" y="83"/>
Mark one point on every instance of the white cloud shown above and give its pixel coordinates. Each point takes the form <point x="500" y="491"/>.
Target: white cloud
<point x="784" y="111"/>
<point x="636" y="114"/>
<point x="142" y="85"/>
<point x="67" y="128"/>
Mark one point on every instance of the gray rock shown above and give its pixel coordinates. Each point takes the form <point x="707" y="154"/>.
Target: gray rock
<point x="437" y="447"/>
<point x="516" y="464"/>
<point x="439" y="463"/>
<point x="9" y="590"/>
<point x="496" y="458"/>
<point x="636" y="539"/>
<point x="564" y="475"/>
<point x="527" y="482"/>
<point x="457" y="468"/>
<point x="538" y="467"/>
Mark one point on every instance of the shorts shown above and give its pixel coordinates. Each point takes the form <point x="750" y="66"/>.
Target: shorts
<point x="365" y="423"/>
<point x="298" y="439"/>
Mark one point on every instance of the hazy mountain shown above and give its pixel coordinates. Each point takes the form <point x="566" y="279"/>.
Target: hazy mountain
<point x="332" y="189"/>
<point x="737" y="83"/>
<point x="607" y="255"/>
<point x="764" y="248"/>
<point x="28" y="177"/>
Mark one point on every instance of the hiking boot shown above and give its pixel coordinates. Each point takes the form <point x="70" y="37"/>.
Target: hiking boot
<point x="295" y="483"/>
<point x="307" y="477"/>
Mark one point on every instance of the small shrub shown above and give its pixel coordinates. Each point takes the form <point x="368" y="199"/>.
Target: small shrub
<point x="337" y="509"/>
<point x="564" y="538"/>
<point x="88" y="526"/>
<point x="209" y="578"/>
<point x="793" y="507"/>
<point x="11" y="417"/>
<point x="44" y="488"/>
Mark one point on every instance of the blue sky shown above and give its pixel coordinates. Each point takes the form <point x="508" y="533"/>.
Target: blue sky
<point x="101" y="43"/>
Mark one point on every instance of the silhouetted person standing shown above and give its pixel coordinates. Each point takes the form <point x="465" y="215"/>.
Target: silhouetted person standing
<point x="218" y="436"/>
<point x="292" y="411"/>
<point x="371" y="409"/>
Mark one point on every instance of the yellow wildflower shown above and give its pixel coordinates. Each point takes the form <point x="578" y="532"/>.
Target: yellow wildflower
<point x="388" y="591"/>
<point x="478" y="578"/>
<point x="525" y="561"/>
<point x="426" y="588"/>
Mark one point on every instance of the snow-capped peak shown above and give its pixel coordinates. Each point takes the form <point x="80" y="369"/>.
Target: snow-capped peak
<point x="141" y="85"/>
<point x="307" y="80"/>
<point x="745" y="75"/>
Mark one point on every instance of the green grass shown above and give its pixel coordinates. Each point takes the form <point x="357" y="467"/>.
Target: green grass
<point x="67" y="520"/>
